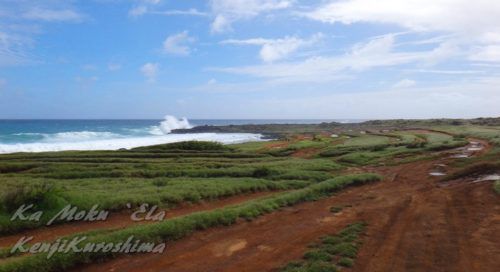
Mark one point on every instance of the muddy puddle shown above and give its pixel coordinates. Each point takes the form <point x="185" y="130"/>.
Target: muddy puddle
<point x="438" y="170"/>
<point x="492" y="177"/>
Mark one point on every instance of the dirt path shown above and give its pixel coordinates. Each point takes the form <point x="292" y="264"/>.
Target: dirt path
<point x="413" y="225"/>
<point x="121" y="220"/>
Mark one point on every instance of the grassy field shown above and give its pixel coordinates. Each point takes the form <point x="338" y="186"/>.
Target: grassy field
<point x="191" y="172"/>
<point x="168" y="175"/>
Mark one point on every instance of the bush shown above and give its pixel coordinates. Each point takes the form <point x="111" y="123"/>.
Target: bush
<point x="261" y="172"/>
<point x="37" y="194"/>
<point x="331" y="248"/>
<point x="347" y="262"/>
<point x="187" y="145"/>
<point x="317" y="255"/>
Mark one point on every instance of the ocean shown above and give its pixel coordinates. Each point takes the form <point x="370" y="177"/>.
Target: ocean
<point x="59" y="135"/>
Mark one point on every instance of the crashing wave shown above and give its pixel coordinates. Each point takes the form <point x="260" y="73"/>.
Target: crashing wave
<point x="127" y="143"/>
<point x="171" y="122"/>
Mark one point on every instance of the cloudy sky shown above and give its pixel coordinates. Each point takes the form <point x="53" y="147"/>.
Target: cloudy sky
<point x="249" y="58"/>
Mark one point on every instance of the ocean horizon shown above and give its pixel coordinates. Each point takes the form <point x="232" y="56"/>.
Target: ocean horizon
<point x="41" y="135"/>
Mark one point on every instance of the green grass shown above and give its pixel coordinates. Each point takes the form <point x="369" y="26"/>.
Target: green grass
<point x="331" y="252"/>
<point x="496" y="186"/>
<point x="164" y="175"/>
<point x="177" y="228"/>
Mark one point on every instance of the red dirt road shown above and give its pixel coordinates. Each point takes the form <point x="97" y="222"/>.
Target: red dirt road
<point x="413" y="225"/>
<point x="121" y="220"/>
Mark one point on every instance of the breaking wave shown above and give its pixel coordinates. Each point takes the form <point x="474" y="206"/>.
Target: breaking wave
<point x="124" y="138"/>
<point x="171" y="122"/>
<point x="127" y="143"/>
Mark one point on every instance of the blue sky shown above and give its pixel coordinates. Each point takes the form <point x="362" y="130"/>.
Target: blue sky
<point x="249" y="59"/>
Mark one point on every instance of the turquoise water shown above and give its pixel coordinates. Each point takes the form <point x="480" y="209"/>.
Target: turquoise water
<point x="57" y="135"/>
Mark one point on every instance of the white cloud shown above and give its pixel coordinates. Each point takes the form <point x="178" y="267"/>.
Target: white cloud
<point x="142" y="7"/>
<point x="13" y="49"/>
<point x="459" y="16"/>
<point x="221" y="24"/>
<point x="138" y="11"/>
<point x="459" y="100"/>
<point x="177" y="44"/>
<point x="150" y="71"/>
<point x="228" y="11"/>
<point x="490" y="53"/>
<point x="21" y="21"/>
<point x="405" y="83"/>
<point x="192" y="12"/>
<point x="276" y="49"/>
<point x="468" y="23"/>
<point x="52" y="15"/>
<point x="378" y="52"/>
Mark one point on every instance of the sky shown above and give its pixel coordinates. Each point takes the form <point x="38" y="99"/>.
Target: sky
<point x="249" y="59"/>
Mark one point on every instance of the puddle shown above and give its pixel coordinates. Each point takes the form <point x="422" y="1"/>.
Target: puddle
<point x="438" y="170"/>
<point x="475" y="146"/>
<point x="493" y="177"/>
<point x="460" y="156"/>
<point x="437" y="174"/>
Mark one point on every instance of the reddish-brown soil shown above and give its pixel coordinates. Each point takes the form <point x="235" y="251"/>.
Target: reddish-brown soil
<point x="413" y="225"/>
<point x="277" y="145"/>
<point x="306" y="152"/>
<point x="121" y="220"/>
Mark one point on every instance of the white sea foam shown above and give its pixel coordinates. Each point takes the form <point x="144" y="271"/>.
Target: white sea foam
<point x="171" y="122"/>
<point x="102" y="140"/>
<point x="79" y="136"/>
<point x="126" y="143"/>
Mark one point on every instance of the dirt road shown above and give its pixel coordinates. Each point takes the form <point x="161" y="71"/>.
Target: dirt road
<point x="121" y="220"/>
<point x="413" y="225"/>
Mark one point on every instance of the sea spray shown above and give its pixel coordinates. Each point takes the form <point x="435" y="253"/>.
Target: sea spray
<point x="171" y="122"/>
<point x="61" y="135"/>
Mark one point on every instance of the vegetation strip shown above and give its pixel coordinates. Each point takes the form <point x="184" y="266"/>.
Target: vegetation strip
<point x="331" y="252"/>
<point x="175" y="229"/>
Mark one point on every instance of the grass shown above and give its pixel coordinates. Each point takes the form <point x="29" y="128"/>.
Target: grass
<point x="331" y="252"/>
<point x="172" y="174"/>
<point x="177" y="228"/>
<point x="496" y="186"/>
<point x="164" y="175"/>
<point x="169" y="174"/>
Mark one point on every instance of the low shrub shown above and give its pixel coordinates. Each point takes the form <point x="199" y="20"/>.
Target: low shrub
<point x="187" y="145"/>
<point x="346" y="262"/>
<point x="37" y="194"/>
